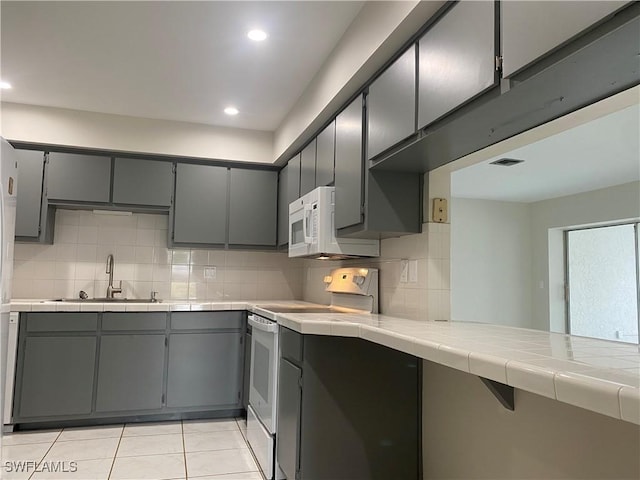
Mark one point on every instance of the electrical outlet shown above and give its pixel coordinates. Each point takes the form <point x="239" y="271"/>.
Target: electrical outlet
<point x="404" y="271"/>
<point x="210" y="273"/>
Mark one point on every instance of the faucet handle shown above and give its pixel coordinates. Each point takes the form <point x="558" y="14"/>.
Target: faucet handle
<point x="153" y="296"/>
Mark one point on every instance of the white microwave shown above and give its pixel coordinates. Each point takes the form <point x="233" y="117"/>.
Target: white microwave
<point x="312" y="231"/>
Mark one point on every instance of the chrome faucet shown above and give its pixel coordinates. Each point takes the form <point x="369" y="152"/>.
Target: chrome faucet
<point x="111" y="290"/>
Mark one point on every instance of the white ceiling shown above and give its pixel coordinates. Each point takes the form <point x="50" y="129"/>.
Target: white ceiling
<point x="172" y="60"/>
<point x="598" y="154"/>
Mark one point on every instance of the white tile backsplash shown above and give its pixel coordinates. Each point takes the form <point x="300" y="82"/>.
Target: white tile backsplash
<point x="83" y="239"/>
<point x="426" y="299"/>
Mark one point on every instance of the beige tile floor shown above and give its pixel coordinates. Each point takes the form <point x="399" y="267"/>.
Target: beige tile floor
<point x="194" y="449"/>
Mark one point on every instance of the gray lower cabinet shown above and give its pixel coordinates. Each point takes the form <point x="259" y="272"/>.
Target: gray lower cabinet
<point x="142" y="182"/>
<point x="130" y="372"/>
<point x="253" y="197"/>
<point x="349" y="171"/>
<point x="289" y="403"/>
<point x="205" y="365"/>
<point x="83" y="366"/>
<point x="391" y="105"/>
<point x="78" y="178"/>
<point x="29" y="203"/>
<point x="57" y="376"/>
<point x="247" y="369"/>
<point x="200" y="206"/>
<point x="456" y="59"/>
<point x="308" y="168"/>
<point x="325" y="155"/>
<point x="325" y="409"/>
<point x="205" y="369"/>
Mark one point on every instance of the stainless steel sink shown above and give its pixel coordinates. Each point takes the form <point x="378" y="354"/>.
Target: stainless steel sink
<point x="107" y="300"/>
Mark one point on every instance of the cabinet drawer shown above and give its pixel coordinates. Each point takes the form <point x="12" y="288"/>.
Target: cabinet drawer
<point x="290" y="345"/>
<point x="207" y="320"/>
<point x="134" y="321"/>
<point x="62" y="322"/>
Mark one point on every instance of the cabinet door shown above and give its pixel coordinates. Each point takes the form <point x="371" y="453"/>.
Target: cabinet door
<point x="457" y="59"/>
<point x="57" y="376"/>
<point x="142" y="182"/>
<point x="308" y="168"/>
<point x="391" y="105"/>
<point x="200" y="207"/>
<point x="293" y="185"/>
<point x="253" y="207"/>
<point x="130" y="373"/>
<point x="289" y="401"/>
<point x="531" y="29"/>
<point x="81" y="178"/>
<point x="283" y="205"/>
<point x="205" y="370"/>
<point x="29" y="193"/>
<point x="325" y="155"/>
<point x="349" y="166"/>
<point x="246" y="375"/>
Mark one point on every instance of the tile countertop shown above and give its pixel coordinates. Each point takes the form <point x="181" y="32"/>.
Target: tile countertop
<point x="597" y="375"/>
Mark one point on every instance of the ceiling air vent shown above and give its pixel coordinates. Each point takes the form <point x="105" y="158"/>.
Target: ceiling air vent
<point x="507" y="162"/>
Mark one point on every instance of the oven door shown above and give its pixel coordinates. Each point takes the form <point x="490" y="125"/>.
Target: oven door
<point x="263" y="376"/>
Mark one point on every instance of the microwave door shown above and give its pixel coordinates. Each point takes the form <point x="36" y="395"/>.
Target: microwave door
<point x="298" y="233"/>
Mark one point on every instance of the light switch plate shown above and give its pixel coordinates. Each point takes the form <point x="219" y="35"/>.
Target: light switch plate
<point x="440" y="213"/>
<point x="404" y="271"/>
<point x="210" y="273"/>
<point x="413" y="271"/>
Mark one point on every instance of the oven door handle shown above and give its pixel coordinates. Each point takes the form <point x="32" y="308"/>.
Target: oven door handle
<point x="270" y="327"/>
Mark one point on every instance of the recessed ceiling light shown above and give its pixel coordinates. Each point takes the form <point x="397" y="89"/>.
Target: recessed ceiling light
<point x="231" y="111"/>
<point x="257" y="35"/>
<point x="5" y="85"/>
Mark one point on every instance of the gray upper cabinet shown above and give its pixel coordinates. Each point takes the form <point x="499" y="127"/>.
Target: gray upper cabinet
<point x="253" y="207"/>
<point x="29" y="193"/>
<point x="142" y="182"/>
<point x="288" y="191"/>
<point x="308" y="168"/>
<point x="391" y="105"/>
<point x="80" y="178"/>
<point x="531" y="29"/>
<point x="457" y="59"/>
<point x="325" y="155"/>
<point x="283" y="206"/>
<point x="349" y="166"/>
<point x="200" y="207"/>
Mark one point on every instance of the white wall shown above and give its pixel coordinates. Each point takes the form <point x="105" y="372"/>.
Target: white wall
<point x="549" y="218"/>
<point x="59" y="126"/>
<point x="491" y="262"/>
<point x="467" y="434"/>
<point x="379" y="30"/>
<point x="82" y="240"/>
<point x="507" y="259"/>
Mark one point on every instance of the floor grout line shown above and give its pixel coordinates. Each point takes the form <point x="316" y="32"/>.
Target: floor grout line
<point x="45" y="454"/>
<point x="115" y="454"/>
<point x="184" y="451"/>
